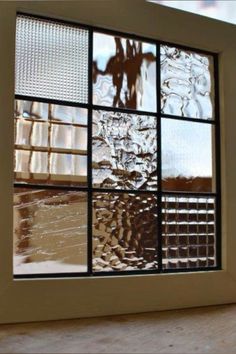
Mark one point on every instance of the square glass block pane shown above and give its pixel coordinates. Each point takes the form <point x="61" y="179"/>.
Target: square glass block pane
<point x="67" y="114"/>
<point x="187" y="161"/>
<point x="50" y="231"/>
<point x="31" y="133"/>
<point x="188" y="229"/>
<point x="51" y="60"/>
<point x="124" y="231"/>
<point x="68" y="167"/>
<point x="69" y="137"/>
<point x="124" y="73"/>
<point x="124" y="151"/>
<point x="187" y="83"/>
<point x="31" y="110"/>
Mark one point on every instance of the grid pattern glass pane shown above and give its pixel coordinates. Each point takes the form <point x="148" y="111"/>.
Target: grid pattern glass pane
<point x="124" y="151"/>
<point x="124" y="231"/>
<point x="188" y="227"/>
<point x="50" y="231"/>
<point x="187" y="85"/>
<point x="50" y="143"/>
<point x="51" y="60"/>
<point x="124" y="73"/>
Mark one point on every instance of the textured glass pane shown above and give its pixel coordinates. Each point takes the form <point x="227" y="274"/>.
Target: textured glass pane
<point x="124" y="231"/>
<point x="187" y="86"/>
<point x="188" y="225"/>
<point x="68" y="114"/>
<point x="39" y="162"/>
<point x="187" y="156"/>
<point x="124" y="151"/>
<point x="50" y="231"/>
<point x="51" y="60"/>
<point x="68" y="137"/>
<point x="31" y="110"/>
<point x="72" y="166"/>
<point x="22" y="159"/>
<point x="124" y="73"/>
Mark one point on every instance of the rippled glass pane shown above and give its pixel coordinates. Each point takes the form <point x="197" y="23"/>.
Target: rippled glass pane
<point x="188" y="228"/>
<point x="124" y="231"/>
<point x="187" y="149"/>
<point x="31" y="110"/>
<point x="124" y="151"/>
<point x="67" y="114"/>
<point x="124" y="73"/>
<point x="50" y="231"/>
<point x="51" y="60"/>
<point x="187" y="85"/>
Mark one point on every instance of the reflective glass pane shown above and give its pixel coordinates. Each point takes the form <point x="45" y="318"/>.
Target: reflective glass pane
<point x="67" y="114"/>
<point x="51" y="60"/>
<point x="187" y="149"/>
<point x="50" y="231"/>
<point x="187" y="85"/>
<point x="31" y="110"/>
<point x="124" y="231"/>
<point x="124" y="73"/>
<point x="124" y="151"/>
<point x="188" y="228"/>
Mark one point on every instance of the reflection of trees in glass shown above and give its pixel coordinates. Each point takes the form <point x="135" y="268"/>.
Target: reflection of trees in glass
<point x="125" y="63"/>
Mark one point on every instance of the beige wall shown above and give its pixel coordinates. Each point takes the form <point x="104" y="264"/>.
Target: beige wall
<point x="27" y="300"/>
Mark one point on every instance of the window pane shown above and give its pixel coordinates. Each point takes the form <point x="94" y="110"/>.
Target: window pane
<point x="124" y="73"/>
<point x="187" y="156"/>
<point x="31" y="110"/>
<point x="124" y="231"/>
<point x="50" y="231"/>
<point x="186" y="83"/>
<point x="51" y="60"/>
<point x="188" y="232"/>
<point x="69" y="137"/>
<point x="67" y="114"/>
<point x="124" y="151"/>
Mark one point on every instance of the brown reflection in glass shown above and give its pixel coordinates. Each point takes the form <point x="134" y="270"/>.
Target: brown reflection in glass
<point x="124" y="73"/>
<point x="124" y="151"/>
<point x="50" y="231"/>
<point x="124" y="231"/>
<point x="187" y="156"/>
<point x="188" y="229"/>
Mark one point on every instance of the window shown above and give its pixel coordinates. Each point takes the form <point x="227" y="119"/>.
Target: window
<point x="116" y="153"/>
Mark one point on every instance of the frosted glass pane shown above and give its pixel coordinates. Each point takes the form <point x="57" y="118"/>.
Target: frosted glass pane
<point x="187" y="150"/>
<point x="68" y="114"/>
<point x="51" y="60"/>
<point x="124" y="231"/>
<point x="188" y="232"/>
<point x="124" y="151"/>
<point x="50" y="231"/>
<point x="187" y="85"/>
<point x="124" y="73"/>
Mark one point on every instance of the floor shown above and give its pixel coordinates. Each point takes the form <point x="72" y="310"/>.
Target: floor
<point x="201" y="330"/>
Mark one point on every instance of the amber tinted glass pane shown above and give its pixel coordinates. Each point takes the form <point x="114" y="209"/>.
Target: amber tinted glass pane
<point x="187" y="156"/>
<point x="188" y="226"/>
<point x="50" y="231"/>
<point x="124" y="151"/>
<point x="124" y="231"/>
<point x="51" y="60"/>
<point x="187" y="85"/>
<point x="124" y="73"/>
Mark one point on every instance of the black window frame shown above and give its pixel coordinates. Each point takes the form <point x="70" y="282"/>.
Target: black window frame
<point x="159" y="192"/>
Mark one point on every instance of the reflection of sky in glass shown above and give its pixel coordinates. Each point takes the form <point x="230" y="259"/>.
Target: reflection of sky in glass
<point x="186" y="149"/>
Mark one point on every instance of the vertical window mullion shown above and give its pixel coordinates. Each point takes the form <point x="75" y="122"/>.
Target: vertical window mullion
<point x="89" y="166"/>
<point x="159" y="177"/>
